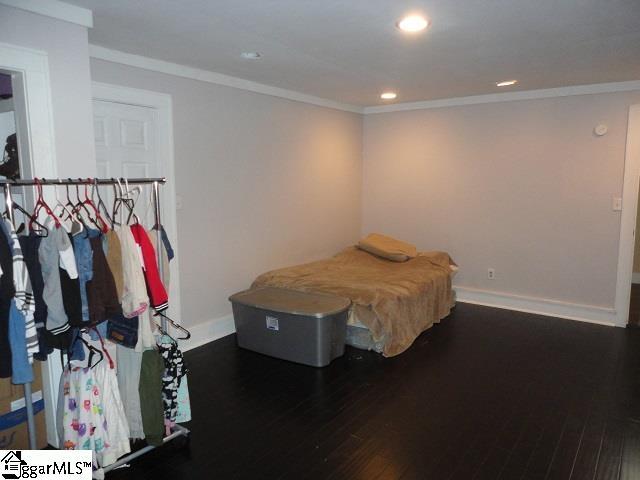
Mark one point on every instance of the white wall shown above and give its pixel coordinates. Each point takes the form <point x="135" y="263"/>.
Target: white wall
<point x="265" y="182"/>
<point x="524" y="187"/>
<point x="67" y="47"/>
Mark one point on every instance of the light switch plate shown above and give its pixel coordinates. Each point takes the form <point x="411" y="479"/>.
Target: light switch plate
<point x="617" y="204"/>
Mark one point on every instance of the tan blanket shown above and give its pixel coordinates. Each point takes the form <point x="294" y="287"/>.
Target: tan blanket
<point x="396" y="301"/>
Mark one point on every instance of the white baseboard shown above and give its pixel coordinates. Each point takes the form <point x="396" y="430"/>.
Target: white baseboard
<point x="635" y="277"/>
<point x="216" y="328"/>
<point x="540" y="306"/>
<point x="208" y="332"/>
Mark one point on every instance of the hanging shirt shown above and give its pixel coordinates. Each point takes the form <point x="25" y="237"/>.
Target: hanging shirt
<point x="174" y="370"/>
<point x="55" y="253"/>
<point x="24" y="300"/>
<point x="167" y="254"/>
<point x="134" y="298"/>
<point x="155" y="287"/>
<point x="114" y="259"/>
<point x="30" y="245"/>
<point x="102" y="295"/>
<point x="146" y="339"/>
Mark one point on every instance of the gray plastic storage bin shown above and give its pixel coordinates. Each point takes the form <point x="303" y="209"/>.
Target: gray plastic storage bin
<point x="302" y="327"/>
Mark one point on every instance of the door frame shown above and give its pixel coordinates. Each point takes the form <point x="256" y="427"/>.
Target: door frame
<point x="631" y="183"/>
<point x="37" y="149"/>
<point x="30" y="72"/>
<point x="162" y="103"/>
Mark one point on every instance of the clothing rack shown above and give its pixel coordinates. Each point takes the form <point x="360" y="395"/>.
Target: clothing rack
<point x="178" y="430"/>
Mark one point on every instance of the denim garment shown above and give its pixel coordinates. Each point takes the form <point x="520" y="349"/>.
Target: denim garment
<point x="102" y="330"/>
<point x="76" y="352"/>
<point x="84" y="260"/>
<point x="22" y="371"/>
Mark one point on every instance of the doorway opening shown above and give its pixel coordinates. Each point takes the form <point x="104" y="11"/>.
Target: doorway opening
<point x="626" y="311"/>
<point x="14" y="142"/>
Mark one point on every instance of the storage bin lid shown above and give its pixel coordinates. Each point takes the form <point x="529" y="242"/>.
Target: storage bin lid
<point x="291" y="301"/>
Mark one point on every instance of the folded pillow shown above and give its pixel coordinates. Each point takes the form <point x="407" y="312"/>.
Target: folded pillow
<point x="387" y="247"/>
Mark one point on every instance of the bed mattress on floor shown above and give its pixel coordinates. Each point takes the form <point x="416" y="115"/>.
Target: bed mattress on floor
<point x="395" y="301"/>
<point x="359" y="336"/>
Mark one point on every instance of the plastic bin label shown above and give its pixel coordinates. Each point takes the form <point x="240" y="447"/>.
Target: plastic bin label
<point x="272" y="323"/>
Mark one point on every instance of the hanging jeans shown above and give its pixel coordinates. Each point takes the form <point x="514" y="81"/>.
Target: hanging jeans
<point x="84" y="260"/>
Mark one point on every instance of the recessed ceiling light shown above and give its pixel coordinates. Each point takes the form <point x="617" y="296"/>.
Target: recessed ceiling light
<point x="388" y="95"/>
<point x="250" y="55"/>
<point x="413" y="23"/>
<point x="506" y="83"/>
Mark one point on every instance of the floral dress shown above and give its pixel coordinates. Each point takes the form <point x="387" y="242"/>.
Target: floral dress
<point x="84" y="424"/>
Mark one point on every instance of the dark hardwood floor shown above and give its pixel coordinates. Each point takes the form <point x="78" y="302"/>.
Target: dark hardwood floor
<point x="487" y="394"/>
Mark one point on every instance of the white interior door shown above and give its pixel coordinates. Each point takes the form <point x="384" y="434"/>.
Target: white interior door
<point x="126" y="147"/>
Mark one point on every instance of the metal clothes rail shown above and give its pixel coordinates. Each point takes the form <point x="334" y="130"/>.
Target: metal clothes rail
<point x="80" y="181"/>
<point x="6" y="184"/>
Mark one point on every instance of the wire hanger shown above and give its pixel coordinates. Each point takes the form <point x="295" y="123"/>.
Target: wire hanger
<point x="69" y="209"/>
<point x="90" y="348"/>
<point x="41" y="231"/>
<point x="130" y="193"/>
<point x="174" y="325"/>
<point x="87" y="201"/>
<point x="95" y="191"/>
<point x="104" y="348"/>
<point x="119" y="200"/>
<point x="79" y="206"/>
<point x="63" y="207"/>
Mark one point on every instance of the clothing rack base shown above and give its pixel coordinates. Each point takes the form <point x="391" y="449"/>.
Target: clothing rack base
<point x="178" y="431"/>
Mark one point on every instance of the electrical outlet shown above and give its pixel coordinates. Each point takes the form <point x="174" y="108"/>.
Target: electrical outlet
<point x="491" y="274"/>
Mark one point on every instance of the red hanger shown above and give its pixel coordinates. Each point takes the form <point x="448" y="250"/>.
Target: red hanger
<point x="40" y="203"/>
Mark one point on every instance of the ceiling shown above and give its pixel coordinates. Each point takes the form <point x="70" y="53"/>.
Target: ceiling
<point x="350" y="50"/>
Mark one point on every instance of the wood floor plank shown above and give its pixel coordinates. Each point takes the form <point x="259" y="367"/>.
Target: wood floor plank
<point x="630" y="463"/>
<point x="610" y="454"/>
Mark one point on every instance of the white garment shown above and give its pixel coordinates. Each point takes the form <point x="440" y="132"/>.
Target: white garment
<point x="129" y="364"/>
<point x="117" y="431"/>
<point x="134" y="289"/>
<point x="65" y="250"/>
<point x="146" y="339"/>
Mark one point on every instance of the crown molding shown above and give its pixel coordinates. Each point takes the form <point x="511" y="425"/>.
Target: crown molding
<point x="508" y="97"/>
<point x="54" y="9"/>
<point x="169" y="68"/>
<point x="146" y="63"/>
